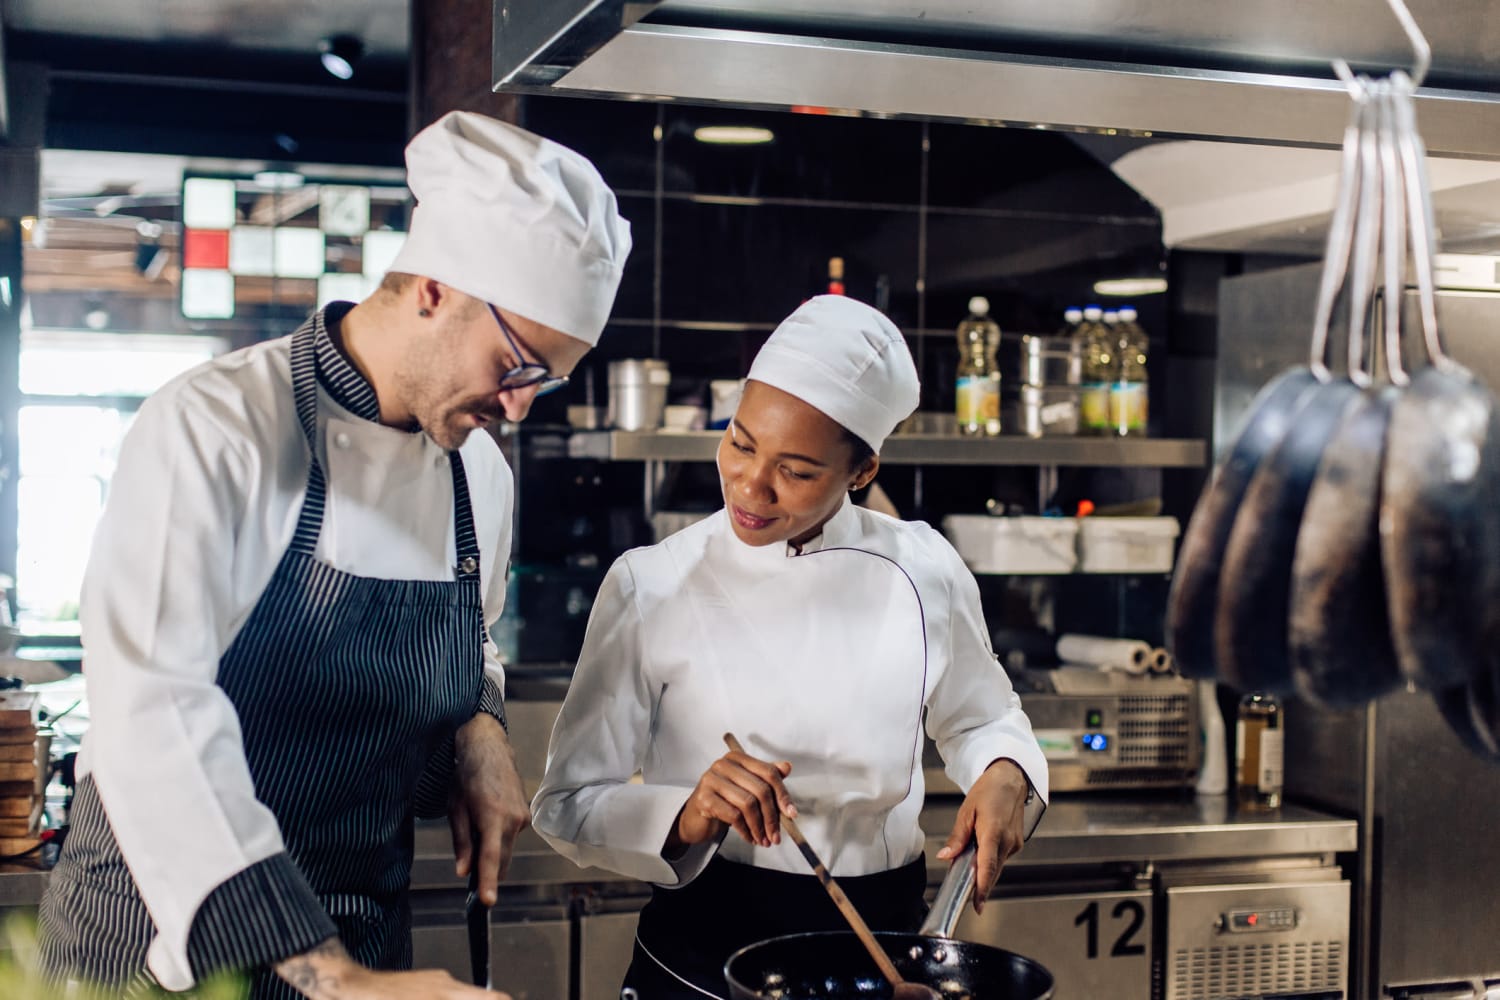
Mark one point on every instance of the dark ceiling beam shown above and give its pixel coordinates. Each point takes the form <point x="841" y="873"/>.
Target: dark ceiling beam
<point x="216" y="102"/>
<point x="451" y="62"/>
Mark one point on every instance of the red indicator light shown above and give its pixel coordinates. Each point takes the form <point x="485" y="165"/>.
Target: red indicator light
<point x="1253" y="919"/>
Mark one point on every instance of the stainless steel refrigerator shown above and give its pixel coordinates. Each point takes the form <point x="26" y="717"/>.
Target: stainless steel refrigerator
<point x="1426" y="918"/>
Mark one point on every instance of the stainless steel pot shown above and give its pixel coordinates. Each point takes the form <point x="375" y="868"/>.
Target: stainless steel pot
<point x="1051" y="361"/>
<point x="638" y="393"/>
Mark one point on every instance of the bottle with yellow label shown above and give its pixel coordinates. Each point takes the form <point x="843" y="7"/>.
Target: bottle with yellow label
<point x="1100" y="369"/>
<point x="1128" y="400"/>
<point x="1258" y="753"/>
<point x="978" y="405"/>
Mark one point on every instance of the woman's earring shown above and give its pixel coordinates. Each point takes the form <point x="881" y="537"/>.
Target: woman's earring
<point x="424" y="313"/>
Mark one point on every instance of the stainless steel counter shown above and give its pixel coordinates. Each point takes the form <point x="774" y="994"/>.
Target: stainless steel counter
<point x="21" y="885"/>
<point x="1074" y="831"/>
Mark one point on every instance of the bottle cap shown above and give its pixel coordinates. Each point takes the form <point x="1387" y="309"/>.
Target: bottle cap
<point x="1092" y="313"/>
<point x="1128" y="313"/>
<point x="1072" y="314"/>
<point x="979" y="305"/>
<point x="1110" y="316"/>
<point x="836" y="268"/>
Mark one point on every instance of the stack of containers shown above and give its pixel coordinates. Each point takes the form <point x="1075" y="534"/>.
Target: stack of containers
<point x="1045" y="398"/>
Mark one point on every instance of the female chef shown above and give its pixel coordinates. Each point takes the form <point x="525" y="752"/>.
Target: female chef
<point x="819" y="633"/>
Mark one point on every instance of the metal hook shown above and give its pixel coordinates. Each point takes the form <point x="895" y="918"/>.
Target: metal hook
<point x="1394" y="211"/>
<point x="1421" y="50"/>
<point x="1367" y="218"/>
<point x="1419" y="46"/>
<point x="1340" y="231"/>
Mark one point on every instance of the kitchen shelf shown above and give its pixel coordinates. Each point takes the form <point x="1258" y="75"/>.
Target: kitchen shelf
<point x="915" y="449"/>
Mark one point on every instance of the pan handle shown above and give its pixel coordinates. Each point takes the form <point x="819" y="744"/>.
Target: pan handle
<point x="952" y="895"/>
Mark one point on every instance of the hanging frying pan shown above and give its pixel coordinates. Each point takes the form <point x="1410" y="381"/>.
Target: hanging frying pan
<point x="1251" y="621"/>
<point x="1440" y="488"/>
<point x="1339" y="632"/>
<point x="1194" y="595"/>
<point x="834" y="966"/>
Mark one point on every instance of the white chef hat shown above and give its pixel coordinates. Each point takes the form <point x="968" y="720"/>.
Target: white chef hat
<point x="847" y="360"/>
<point x="515" y="220"/>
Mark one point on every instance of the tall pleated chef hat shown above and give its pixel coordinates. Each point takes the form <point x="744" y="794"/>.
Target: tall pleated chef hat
<point x="514" y="220"/>
<point x="847" y="360"/>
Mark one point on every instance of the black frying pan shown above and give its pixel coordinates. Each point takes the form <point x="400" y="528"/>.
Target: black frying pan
<point x="1440" y="533"/>
<point x="1193" y="601"/>
<point x="1340" y="637"/>
<point x="833" y="965"/>
<point x="1251" y="636"/>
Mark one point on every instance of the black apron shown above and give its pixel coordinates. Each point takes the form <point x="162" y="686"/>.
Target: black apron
<point x="686" y="935"/>
<point x="345" y="687"/>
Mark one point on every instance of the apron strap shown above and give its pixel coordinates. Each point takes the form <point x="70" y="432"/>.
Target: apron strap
<point x="305" y="392"/>
<point x="465" y="541"/>
<point x="310" y="520"/>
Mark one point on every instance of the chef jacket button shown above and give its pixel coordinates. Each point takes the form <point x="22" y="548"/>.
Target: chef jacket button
<point x="341" y="439"/>
<point x="469" y="564"/>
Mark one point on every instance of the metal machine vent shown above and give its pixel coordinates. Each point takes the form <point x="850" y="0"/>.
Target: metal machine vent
<point x="1173" y="706"/>
<point x="1134" y="729"/>
<point x="1140" y="777"/>
<point x="1158" y="742"/>
<point x="1248" y="969"/>
<point x="1154" y="754"/>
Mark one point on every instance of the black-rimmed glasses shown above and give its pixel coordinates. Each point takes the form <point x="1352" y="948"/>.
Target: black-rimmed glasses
<point x="526" y="373"/>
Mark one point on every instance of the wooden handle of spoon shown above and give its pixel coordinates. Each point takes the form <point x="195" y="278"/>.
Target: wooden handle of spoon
<point x="861" y="929"/>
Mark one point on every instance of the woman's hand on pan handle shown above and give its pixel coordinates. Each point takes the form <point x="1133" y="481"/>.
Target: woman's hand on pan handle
<point x="993" y="812"/>
<point x="738" y="791"/>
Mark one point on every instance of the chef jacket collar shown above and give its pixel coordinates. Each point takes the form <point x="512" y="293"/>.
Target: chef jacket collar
<point x="336" y="373"/>
<point x="841" y="530"/>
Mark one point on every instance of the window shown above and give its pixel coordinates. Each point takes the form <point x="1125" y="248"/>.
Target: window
<point x="79" y="394"/>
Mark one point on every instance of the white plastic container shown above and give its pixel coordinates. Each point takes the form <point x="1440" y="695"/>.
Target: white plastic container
<point x="1126" y="544"/>
<point x="1020" y="545"/>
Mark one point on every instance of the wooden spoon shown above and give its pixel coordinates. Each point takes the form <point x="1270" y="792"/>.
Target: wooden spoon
<point x="903" y="989"/>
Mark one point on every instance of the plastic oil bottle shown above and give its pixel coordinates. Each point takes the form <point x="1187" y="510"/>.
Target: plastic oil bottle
<point x="1100" y="370"/>
<point x="1128" y="397"/>
<point x="1072" y="320"/>
<point x="978" y="403"/>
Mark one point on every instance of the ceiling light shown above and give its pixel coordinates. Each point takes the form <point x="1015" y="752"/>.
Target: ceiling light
<point x="339" y="54"/>
<point x="1130" y="286"/>
<point x="733" y="135"/>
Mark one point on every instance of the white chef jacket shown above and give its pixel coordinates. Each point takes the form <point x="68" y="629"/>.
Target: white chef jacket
<point x="200" y="511"/>
<point x="828" y="659"/>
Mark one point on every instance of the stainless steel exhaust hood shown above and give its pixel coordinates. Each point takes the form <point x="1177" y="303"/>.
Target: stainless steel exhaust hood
<point x="1225" y="69"/>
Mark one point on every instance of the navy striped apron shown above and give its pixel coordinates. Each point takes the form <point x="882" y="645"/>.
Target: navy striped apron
<point x="686" y="934"/>
<point x="346" y="687"/>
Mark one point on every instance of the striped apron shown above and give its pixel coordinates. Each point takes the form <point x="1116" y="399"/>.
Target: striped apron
<point x="346" y="687"/>
<point x="686" y="935"/>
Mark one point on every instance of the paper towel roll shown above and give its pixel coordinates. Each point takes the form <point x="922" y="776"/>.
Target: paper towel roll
<point x="1161" y="661"/>
<point x="1129" y="655"/>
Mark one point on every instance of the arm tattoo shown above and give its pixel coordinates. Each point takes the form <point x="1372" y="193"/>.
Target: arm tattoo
<point x="305" y="974"/>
